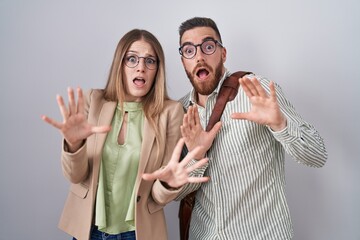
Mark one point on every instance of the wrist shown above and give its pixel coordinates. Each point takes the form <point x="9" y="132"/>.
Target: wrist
<point x="73" y="147"/>
<point x="167" y="186"/>
<point x="278" y="127"/>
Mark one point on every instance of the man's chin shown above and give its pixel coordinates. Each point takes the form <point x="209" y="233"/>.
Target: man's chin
<point x="202" y="80"/>
<point x="203" y="91"/>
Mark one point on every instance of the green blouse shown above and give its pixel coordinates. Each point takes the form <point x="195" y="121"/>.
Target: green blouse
<point x="115" y="199"/>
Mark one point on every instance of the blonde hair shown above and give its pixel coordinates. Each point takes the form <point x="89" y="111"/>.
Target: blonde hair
<point x="115" y="90"/>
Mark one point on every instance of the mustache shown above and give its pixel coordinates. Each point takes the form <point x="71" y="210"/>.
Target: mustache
<point x="201" y="65"/>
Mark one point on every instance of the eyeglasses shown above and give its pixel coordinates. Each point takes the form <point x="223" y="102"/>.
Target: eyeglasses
<point x="132" y="60"/>
<point x="208" y="47"/>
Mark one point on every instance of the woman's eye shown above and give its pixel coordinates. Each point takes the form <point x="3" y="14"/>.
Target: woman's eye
<point x="132" y="59"/>
<point x="150" y="61"/>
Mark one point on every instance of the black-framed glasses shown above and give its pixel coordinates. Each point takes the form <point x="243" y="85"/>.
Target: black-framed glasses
<point x="132" y="60"/>
<point x="208" y="47"/>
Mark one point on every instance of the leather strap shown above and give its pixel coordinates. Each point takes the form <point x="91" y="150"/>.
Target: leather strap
<point x="228" y="92"/>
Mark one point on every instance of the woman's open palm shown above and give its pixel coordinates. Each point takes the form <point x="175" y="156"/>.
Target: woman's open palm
<point x="75" y="127"/>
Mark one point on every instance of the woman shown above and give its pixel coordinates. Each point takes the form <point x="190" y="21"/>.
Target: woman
<point x="115" y="135"/>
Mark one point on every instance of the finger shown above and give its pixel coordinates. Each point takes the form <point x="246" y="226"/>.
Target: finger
<point x="80" y="105"/>
<point x="252" y="86"/>
<point x="184" y="132"/>
<point x="153" y="176"/>
<point x="185" y="124"/>
<point x="51" y="121"/>
<point x="72" y="104"/>
<point x="240" y="116"/>
<point x="198" y="179"/>
<point x="216" y="128"/>
<point x="64" y="112"/>
<point x="244" y="83"/>
<point x="149" y="176"/>
<point x="259" y="88"/>
<point x="272" y="91"/>
<point x="191" y="121"/>
<point x="249" y="84"/>
<point x="100" y="129"/>
<point x="177" y="151"/>
<point x="190" y="155"/>
<point x="196" y="114"/>
<point x="196" y="165"/>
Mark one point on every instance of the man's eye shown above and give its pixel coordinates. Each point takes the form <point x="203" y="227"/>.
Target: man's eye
<point x="209" y="47"/>
<point x="188" y="50"/>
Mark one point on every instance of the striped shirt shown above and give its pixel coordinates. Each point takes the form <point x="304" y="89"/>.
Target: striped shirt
<point x="245" y="198"/>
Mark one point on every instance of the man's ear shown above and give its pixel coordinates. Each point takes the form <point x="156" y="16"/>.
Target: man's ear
<point x="223" y="55"/>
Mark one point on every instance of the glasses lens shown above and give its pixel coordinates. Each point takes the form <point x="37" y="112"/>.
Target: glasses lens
<point x="188" y="51"/>
<point x="131" y="61"/>
<point x="208" y="47"/>
<point x="150" y="63"/>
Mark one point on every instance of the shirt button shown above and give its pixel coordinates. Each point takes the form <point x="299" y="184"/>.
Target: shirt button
<point x="138" y="198"/>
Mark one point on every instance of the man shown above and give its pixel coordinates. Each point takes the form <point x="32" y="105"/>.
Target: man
<point x="245" y="198"/>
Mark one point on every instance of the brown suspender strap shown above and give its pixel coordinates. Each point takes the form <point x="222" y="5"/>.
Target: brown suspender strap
<point x="228" y="92"/>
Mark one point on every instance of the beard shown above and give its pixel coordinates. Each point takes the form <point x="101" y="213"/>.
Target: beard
<point x="207" y="87"/>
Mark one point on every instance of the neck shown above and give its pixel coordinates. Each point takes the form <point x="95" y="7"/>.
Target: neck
<point x="201" y="99"/>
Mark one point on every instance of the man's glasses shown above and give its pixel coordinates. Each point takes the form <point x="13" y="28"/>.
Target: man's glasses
<point x="208" y="47"/>
<point x="132" y="60"/>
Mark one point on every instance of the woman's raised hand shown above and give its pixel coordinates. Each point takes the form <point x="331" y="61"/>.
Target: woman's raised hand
<point x="177" y="173"/>
<point x="75" y="127"/>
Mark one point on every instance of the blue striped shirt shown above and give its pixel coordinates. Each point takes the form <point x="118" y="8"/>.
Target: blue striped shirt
<point x="245" y="198"/>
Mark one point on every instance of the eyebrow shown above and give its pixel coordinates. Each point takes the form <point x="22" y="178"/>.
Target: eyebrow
<point x="208" y="38"/>
<point x="137" y="53"/>
<point x="203" y="40"/>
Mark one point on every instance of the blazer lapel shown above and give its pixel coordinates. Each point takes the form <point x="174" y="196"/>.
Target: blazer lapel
<point x="105" y="118"/>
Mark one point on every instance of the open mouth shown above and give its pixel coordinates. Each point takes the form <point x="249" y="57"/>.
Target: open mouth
<point x="202" y="73"/>
<point x="139" y="82"/>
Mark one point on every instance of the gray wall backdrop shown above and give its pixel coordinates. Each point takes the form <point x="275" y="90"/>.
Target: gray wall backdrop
<point x="311" y="48"/>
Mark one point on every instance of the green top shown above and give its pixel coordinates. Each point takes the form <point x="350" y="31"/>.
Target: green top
<point x="115" y="199"/>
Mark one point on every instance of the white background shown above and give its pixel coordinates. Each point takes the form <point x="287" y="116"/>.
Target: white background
<point x="311" y="48"/>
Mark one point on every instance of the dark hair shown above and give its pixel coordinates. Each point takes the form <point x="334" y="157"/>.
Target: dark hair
<point x="198" y="22"/>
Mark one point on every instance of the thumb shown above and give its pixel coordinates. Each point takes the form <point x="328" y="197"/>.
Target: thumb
<point x="215" y="129"/>
<point x="149" y="177"/>
<point x="238" y="116"/>
<point x="100" y="129"/>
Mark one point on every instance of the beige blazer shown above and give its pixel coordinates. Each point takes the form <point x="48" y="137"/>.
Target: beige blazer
<point x="82" y="170"/>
